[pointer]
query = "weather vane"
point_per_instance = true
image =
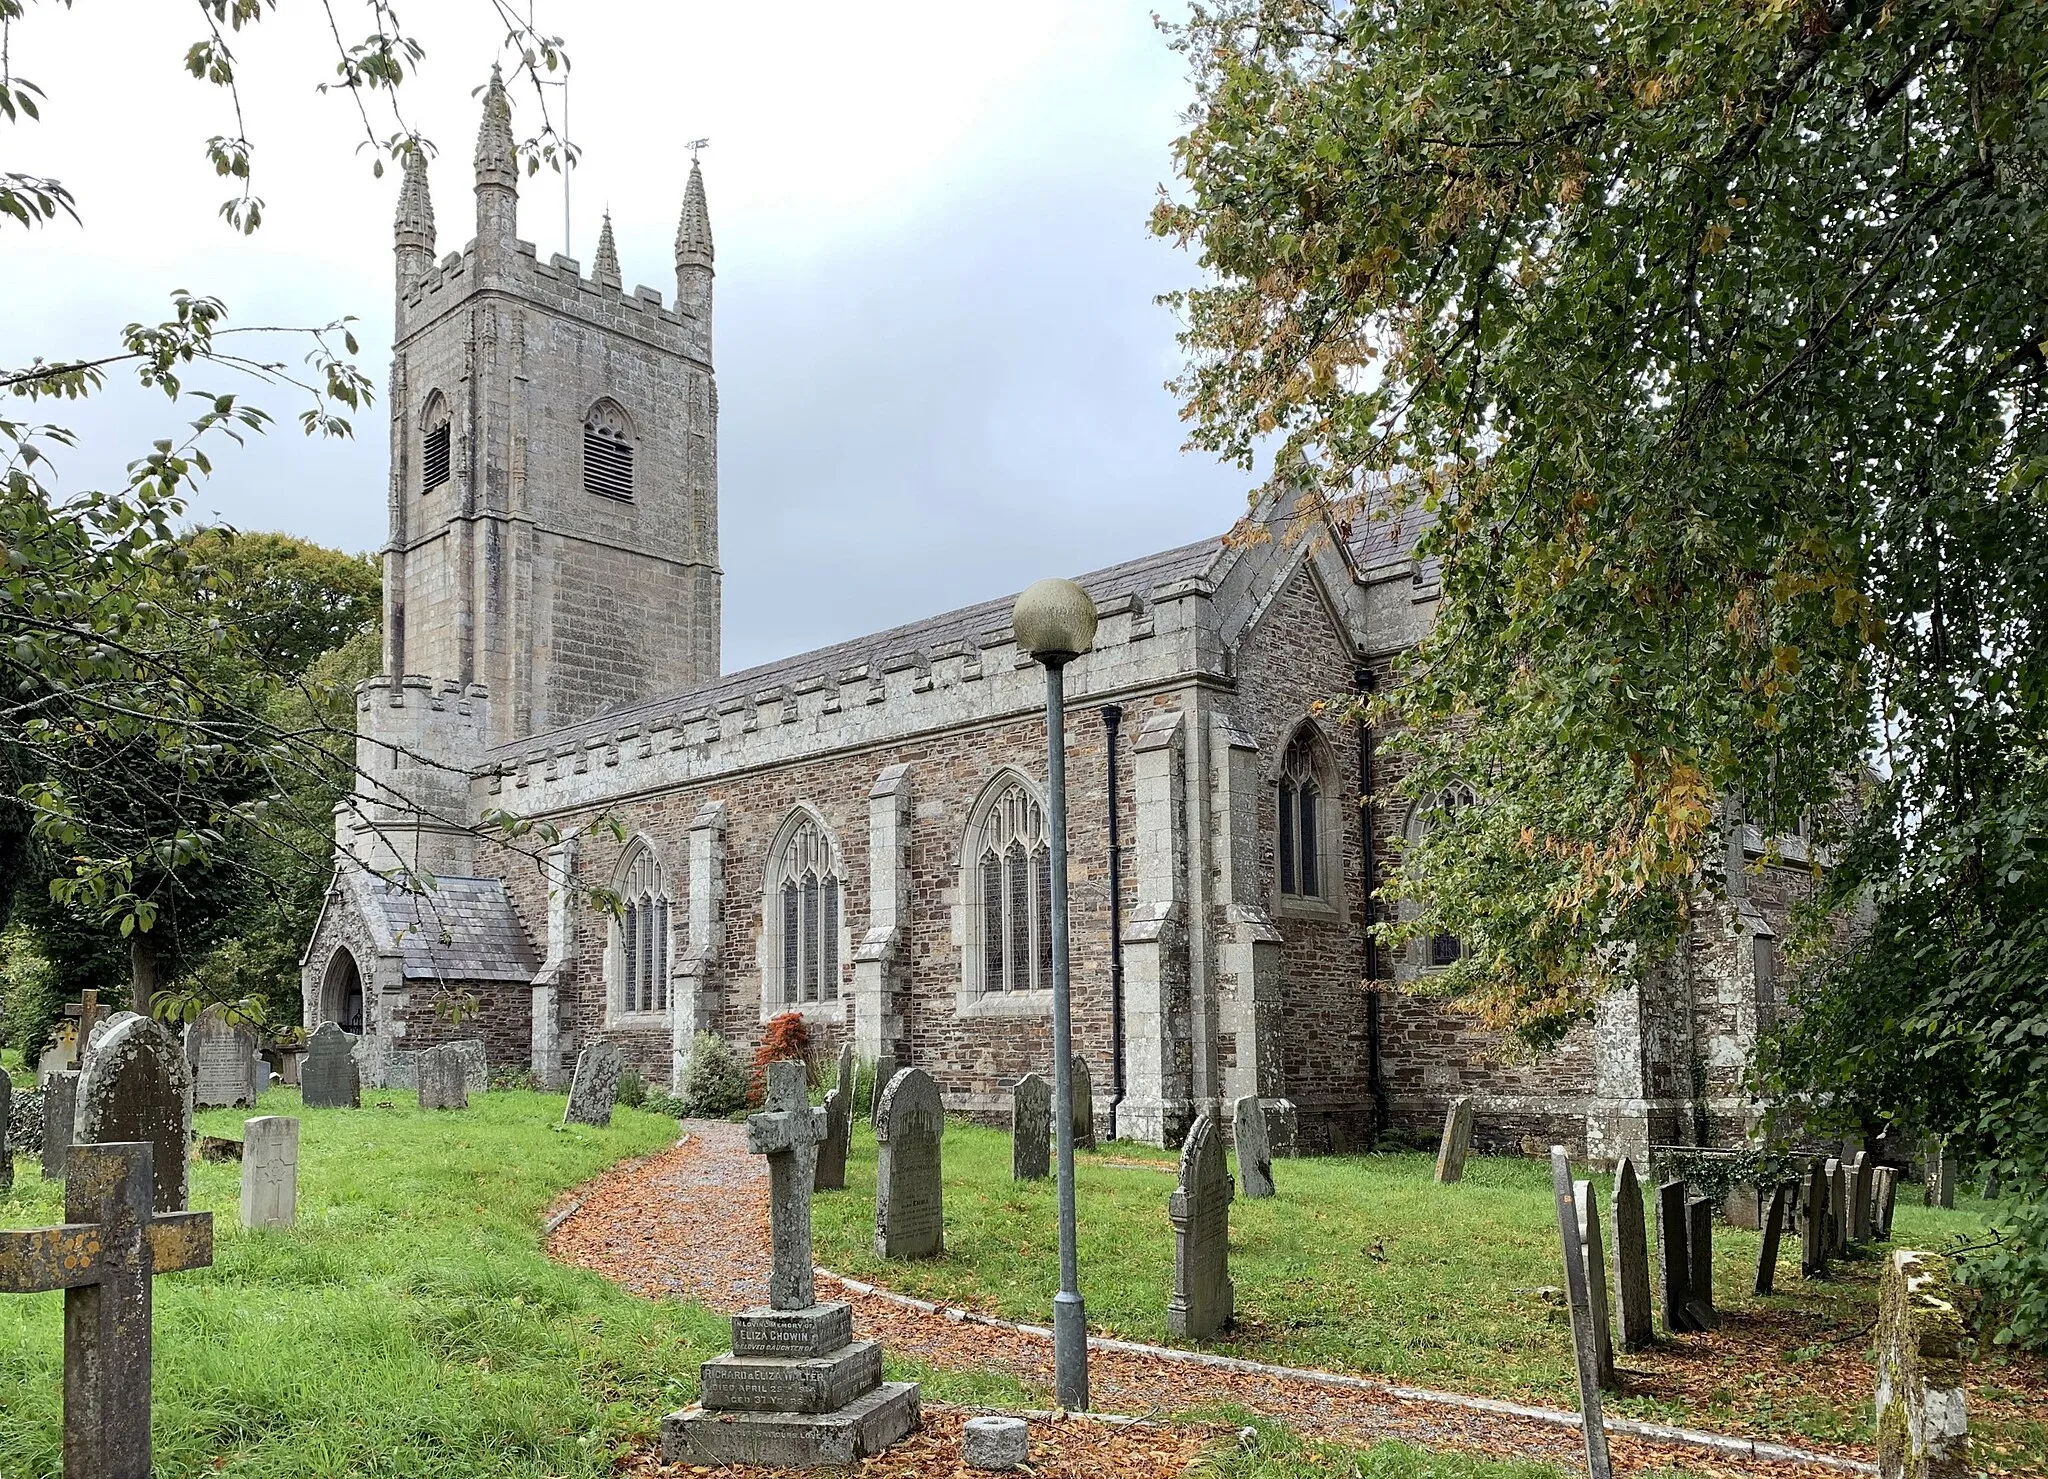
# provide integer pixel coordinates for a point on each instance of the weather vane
(694, 145)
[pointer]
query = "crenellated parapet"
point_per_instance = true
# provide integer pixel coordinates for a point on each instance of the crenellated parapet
(418, 741)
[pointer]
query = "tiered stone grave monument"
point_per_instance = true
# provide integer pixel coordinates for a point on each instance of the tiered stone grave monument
(219, 1052)
(910, 1205)
(135, 1086)
(1031, 1129)
(1254, 1151)
(270, 1171)
(111, 1245)
(838, 1126)
(329, 1078)
(1923, 1426)
(1631, 1260)
(1456, 1143)
(595, 1088)
(1203, 1301)
(796, 1390)
(442, 1077)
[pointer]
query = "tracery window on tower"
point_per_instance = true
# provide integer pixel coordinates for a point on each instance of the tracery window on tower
(434, 434)
(1008, 883)
(805, 904)
(637, 962)
(608, 452)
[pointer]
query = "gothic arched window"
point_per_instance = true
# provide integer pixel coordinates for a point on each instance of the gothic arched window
(1009, 885)
(608, 452)
(1302, 795)
(806, 897)
(434, 425)
(1447, 949)
(637, 962)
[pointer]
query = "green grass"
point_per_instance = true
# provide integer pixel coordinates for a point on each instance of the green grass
(409, 1326)
(1269, 1450)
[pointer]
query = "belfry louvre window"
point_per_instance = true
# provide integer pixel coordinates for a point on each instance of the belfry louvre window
(1301, 833)
(434, 446)
(607, 453)
(639, 954)
(1013, 873)
(806, 891)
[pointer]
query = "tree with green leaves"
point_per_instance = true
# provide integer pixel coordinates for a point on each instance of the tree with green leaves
(1708, 342)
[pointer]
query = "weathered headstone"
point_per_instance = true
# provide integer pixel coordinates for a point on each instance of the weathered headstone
(102, 1026)
(443, 1079)
(476, 1066)
(1631, 1259)
(1884, 1197)
(1593, 1252)
(1031, 1129)
(1699, 1263)
(62, 1053)
(6, 1142)
(1283, 1128)
(595, 1088)
(885, 1074)
(259, 1075)
(1840, 1218)
(1814, 1223)
(1940, 1190)
(910, 1206)
(1990, 1191)
(270, 1171)
(135, 1086)
(796, 1390)
(1860, 1171)
(1774, 1233)
(60, 1114)
(1084, 1103)
(1254, 1154)
(1578, 1299)
(1203, 1300)
(831, 1174)
(1923, 1427)
(1456, 1143)
(219, 1052)
(1674, 1275)
(330, 1078)
(103, 1258)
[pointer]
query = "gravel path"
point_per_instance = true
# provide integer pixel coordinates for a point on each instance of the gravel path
(692, 1223)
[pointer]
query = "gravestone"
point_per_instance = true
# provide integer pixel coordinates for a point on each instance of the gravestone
(1254, 1154)
(1083, 1085)
(1579, 1301)
(796, 1390)
(838, 1127)
(1923, 1427)
(1860, 1171)
(1813, 1223)
(270, 1171)
(1884, 1196)
(1699, 1263)
(595, 1088)
(61, 1055)
(6, 1140)
(1593, 1253)
(60, 1114)
(259, 1075)
(330, 1078)
(1031, 1129)
(136, 1086)
(1940, 1190)
(1990, 1191)
(1743, 1206)
(885, 1074)
(1456, 1143)
(1203, 1301)
(219, 1052)
(1774, 1232)
(110, 1247)
(101, 1027)
(1631, 1259)
(1674, 1276)
(910, 1208)
(443, 1079)
(1839, 1215)
(476, 1066)
(1283, 1128)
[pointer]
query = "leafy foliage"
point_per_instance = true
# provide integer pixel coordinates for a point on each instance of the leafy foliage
(714, 1079)
(786, 1036)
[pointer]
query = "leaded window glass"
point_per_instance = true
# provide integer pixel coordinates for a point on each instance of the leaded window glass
(1012, 870)
(1300, 831)
(640, 944)
(1448, 949)
(805, 871)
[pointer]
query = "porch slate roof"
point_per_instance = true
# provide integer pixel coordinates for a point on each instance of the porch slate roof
(463, 929)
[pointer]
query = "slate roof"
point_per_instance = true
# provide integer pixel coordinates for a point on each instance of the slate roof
(461, 930)
(934, 636)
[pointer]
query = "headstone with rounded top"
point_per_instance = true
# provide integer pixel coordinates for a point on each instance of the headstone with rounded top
(476, 1065)
(595, 1088)
(219, 1052)
(136, 1086)
(1084, 1103)
(1031, 1129)
(1861, 1171)
(1699, 1262)
(1456, 1143)
(910, 1205)
(1631, 1260)
(330, 1078)
(1203, 1302)
(1254, 1153)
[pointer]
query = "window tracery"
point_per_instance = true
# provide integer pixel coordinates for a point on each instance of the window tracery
(807, 893)
(608, 452)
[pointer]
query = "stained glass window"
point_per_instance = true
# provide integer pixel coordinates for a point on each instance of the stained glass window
(1013, 876)
(806, 867)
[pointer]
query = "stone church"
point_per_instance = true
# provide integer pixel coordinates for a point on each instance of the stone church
(620, 841)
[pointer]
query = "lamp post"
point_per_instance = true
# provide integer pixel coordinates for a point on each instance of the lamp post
(1054, 621)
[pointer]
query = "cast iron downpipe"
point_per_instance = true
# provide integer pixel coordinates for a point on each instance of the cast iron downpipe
(1369, 866)
(1112, 720)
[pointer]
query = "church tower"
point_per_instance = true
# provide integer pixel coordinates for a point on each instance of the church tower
(554, 466)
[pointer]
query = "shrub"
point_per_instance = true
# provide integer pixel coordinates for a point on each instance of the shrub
(786, 1037)
(513, 1076)
(657, 1102)
(632, 1088)
(714, 1080)
(25, 1133)
(31, 999)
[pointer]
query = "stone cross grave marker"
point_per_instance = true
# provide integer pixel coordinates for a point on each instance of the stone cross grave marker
(1840, 1218)
(1578, 1298)
(1457, 1142)
(1631, 1259)
(1593, 1253)
(595, 1088)
(788, 1132)
(60, 1113)
(838, 1126)
(1699, 1263)
(1774, 1232)
(1203, 1300)
(1860, 1171)
(1674, 1275)
(442, 1079)
(1923, 1425)
(910, 1208)
(104, 1257)
(270, 1171)
(1031, 1129)
(6, 1119)
(1813, 1223)
(219, 1052)
(1084, 1103)
(135, 1086)
(1884, 1194)
(1254, 1152)
(329, 1078)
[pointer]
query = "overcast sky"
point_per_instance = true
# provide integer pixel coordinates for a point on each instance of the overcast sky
(940, 364)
